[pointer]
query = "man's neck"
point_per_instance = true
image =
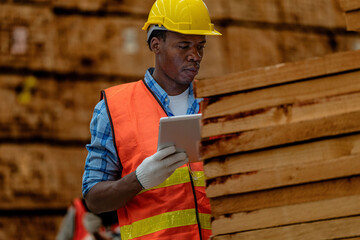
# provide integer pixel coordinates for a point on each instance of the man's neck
(170, 86)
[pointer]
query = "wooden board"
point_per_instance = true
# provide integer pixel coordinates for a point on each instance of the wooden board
(297, 44)
(301, 172)
(214, 63)
(218, 9)
(141, 7)
(281, 105)
(251, 47)
(281, 73)
(40, 176)
(25, 2)
(285, 215)
(342, 228)
(307, 192)
(349, 5)
(34, 108)
(35, 38)
(279, 115)
(248, 47)
(323, 13)
(29, 227)
(279, 135)
(264, 11)
(117, 46)
(319, 13)
(309, 91)
(353, 20)
(283, 157)
(26, 37)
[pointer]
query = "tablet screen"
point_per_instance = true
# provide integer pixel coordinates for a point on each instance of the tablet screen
(184, 132)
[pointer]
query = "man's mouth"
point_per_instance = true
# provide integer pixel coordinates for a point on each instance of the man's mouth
(195, 70)
(192, 71)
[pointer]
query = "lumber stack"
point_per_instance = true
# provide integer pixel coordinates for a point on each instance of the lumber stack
(281, 150)
(56, 56)
(351, 9)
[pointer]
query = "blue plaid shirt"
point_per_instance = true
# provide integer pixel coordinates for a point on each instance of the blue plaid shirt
(101, 162)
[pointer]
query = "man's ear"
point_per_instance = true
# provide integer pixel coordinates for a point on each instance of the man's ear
(155, 44)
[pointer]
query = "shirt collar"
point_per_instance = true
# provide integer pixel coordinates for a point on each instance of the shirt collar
(193, 103)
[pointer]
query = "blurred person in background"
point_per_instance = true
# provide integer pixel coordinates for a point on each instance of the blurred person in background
(80, 224)
(157, 194)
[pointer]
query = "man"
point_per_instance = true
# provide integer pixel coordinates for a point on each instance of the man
(157, 194)
(80, 224)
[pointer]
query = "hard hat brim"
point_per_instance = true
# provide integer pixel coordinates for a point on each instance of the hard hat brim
(188, 32)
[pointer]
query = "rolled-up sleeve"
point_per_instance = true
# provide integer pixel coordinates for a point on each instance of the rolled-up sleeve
(101, 163)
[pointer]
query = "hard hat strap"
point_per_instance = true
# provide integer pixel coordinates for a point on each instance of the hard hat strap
(153, 28)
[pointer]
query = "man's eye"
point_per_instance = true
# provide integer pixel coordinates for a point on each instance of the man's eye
(201, 47)
(183, 46)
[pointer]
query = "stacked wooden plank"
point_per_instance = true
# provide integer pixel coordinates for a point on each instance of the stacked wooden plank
(352, 14)
(62, 40)
(267, 32)
(44, 129)
(56, 55)
(281, 148)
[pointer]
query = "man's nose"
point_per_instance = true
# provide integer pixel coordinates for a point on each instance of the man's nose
(195, 55)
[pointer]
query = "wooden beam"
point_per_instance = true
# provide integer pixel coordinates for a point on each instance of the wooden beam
(285, 215)
(278, 135)
(280, 73)
(343, 228)
(34, 108)
(35, 49)
(38, 176)
(280, 115)
(299, 92)
(125, 6)
(353, 20)
(320, 13)
(307, 192)
(349, 5)
(283, 157)
(284, 176)
(119, 54)
(293, 103)
(32, 226)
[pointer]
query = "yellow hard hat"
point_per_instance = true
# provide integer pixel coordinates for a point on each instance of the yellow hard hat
(182, 16)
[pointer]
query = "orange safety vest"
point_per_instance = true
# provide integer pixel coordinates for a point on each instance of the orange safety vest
(176, 209)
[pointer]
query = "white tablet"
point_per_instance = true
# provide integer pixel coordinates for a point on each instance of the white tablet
(184, 131)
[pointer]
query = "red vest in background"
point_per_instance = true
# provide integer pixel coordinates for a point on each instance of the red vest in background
(172, 210)
(80, 232)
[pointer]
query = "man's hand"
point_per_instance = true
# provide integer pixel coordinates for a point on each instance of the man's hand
(158, 167)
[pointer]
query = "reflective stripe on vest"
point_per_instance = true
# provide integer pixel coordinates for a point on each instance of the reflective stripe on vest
(181, 175)
(163, 221)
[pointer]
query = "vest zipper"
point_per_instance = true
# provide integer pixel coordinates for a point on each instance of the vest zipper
(196, 204)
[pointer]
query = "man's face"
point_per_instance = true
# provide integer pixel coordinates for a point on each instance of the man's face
(179, 58)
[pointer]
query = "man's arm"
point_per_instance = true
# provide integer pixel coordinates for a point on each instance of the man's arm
(155, 169)
(103, 191)
(107, 196)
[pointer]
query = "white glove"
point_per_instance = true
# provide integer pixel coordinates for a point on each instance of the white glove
(92, 222)
(158, 167)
